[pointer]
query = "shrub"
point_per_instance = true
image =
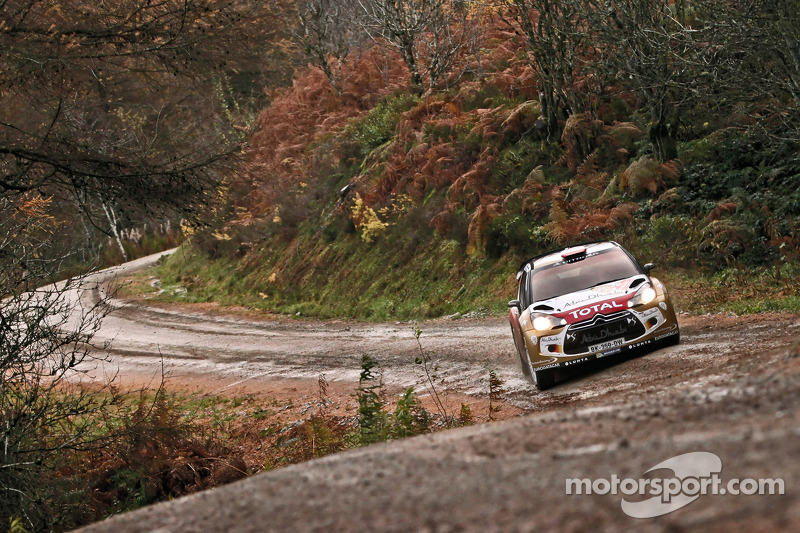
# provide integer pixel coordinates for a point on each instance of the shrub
(379, 124)
(366, 220)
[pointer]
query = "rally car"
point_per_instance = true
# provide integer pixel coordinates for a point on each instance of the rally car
(584, 303)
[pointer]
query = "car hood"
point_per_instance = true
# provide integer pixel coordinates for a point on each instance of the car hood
(563, 305)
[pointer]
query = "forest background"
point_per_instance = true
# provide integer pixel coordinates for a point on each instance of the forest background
(382, 160)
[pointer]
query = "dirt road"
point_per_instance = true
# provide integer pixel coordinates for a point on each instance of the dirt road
(731, 388)
(249, 354)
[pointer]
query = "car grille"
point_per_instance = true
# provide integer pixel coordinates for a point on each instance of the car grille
(602, 328)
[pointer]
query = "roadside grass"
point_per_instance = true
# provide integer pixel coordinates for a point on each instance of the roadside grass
(735, 290)
(788, 304)
(159, 444)
(419, 284)
(336, 280)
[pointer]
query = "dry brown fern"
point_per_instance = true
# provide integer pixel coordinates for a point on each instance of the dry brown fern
(646, 175)
(580, 138)
(726, 207)
(476, 242)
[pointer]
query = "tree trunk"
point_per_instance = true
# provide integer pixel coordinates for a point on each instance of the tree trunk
(411, 62)
(550, 112)
(662, 138)
(112, 221)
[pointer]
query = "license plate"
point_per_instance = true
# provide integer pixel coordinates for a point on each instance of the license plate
(606, 345)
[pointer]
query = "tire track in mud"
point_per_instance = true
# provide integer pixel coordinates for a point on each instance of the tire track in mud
(192, 344)
(732, 387)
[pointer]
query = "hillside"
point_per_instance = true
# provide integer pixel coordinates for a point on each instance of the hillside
(380, 198)
(388, 160)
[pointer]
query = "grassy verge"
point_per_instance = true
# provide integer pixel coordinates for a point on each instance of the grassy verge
(342, 280)
(156, 445)
(740, 291)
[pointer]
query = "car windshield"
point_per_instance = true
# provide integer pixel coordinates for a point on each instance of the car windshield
(563, 278)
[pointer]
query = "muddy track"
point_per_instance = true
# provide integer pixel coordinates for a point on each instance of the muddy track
(195, 344)
(732, 387)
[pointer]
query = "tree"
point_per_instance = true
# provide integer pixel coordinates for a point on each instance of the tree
(110, 107)
(454, 31)
(428, 34)
(558, 40)
(121, 99)
(657, 57)
(44, 341)
(329, 31)
(756, 60)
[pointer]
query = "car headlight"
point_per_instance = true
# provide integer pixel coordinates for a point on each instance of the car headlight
(643, 296)
(544, 322)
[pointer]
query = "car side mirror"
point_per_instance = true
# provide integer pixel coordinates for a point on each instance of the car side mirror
(514, 303)
(648, 267)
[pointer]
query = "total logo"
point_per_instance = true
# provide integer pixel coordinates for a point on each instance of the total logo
(594, 309)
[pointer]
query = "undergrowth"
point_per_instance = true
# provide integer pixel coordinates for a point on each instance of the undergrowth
(443, 200)
(428, 279)
(432, 284)
(159, 445)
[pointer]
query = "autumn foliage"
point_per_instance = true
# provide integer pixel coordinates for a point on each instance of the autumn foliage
(477, 150)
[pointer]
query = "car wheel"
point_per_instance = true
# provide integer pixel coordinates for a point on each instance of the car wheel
(525, 363)
(544, 379)
(519, 343)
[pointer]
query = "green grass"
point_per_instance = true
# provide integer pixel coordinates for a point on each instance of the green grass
(386, 280)
(418, 278)
(740, 291)
(789, 304)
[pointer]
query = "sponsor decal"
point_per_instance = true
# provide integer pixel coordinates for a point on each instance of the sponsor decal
(662, 305)
(665, 335)
(579, 257)
(650, 312)
(545, 367)
(639, 344)
(588, 297)
(616, 286)
(603, 334)
(585, 312)
(576, 361)
(553, 338)
(610, 352)
(572, 303)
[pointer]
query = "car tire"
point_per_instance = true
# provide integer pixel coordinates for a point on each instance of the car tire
(519, 344)
(525, 363)
(544, 379)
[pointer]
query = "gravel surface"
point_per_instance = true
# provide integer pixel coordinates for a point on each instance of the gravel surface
(730, 388)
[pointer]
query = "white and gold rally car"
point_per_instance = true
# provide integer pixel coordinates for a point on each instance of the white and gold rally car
(584, 303)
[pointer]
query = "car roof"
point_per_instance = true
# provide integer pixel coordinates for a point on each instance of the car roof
(555, 255)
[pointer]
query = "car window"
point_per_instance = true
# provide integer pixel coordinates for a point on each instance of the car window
(562, 278)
